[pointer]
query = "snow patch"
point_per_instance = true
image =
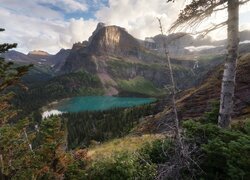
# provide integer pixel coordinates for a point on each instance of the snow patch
(199, 48)
(245, 42)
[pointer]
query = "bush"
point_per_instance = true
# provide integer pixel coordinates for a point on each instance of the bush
(226, 153)
(156, 150)
(122, 166)
(75, 171)
(212, 115)
(221, 153)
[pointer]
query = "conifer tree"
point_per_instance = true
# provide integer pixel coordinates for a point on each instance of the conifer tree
(9, 75)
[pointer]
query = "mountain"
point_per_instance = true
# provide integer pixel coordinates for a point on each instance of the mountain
(38, 57)
(123, 65)
(45, 65)
(113, 40)
(59, 59)
(120, 61)
(183, 44)
(17, 57)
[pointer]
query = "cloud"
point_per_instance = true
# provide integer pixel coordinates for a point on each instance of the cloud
(30, 8)
(67, 5)
(45, 24)
(81, 29)
(139, 17)
(46, 29)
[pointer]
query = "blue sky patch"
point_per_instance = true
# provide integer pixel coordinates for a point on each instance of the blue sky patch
(92, 5)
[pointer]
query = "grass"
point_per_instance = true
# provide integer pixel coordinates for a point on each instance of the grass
(141, 86)
(128, 143)
(116, 63)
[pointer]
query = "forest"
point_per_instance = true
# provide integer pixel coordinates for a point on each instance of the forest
(100, 126)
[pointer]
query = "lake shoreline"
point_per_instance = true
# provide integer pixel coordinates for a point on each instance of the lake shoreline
(92, 103)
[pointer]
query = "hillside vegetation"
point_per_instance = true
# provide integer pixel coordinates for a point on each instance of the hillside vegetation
(194, 102)
(142, 86)
(75, 84)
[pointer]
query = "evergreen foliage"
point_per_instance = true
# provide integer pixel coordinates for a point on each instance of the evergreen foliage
(226, 153)
(220, 153)
(9, 75)
(102, 125)
(64, 86)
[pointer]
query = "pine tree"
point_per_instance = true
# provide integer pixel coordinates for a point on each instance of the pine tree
(10, 75)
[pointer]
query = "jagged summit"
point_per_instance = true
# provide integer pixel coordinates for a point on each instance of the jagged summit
(113, 40)
(109, 40)
(98, 27)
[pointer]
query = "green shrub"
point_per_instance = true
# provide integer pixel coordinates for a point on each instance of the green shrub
(212, 115)
(227, 160)
(122, 166)
(243, 126)
(75, 171)
(226, 153)
(156, 150)
(221, 153)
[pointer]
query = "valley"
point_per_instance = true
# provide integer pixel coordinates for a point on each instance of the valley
(105, 66)
(114, 70)
(106, 103)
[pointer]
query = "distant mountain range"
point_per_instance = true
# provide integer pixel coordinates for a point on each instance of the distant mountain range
(180, 44)
(40, 58)
(125, 64)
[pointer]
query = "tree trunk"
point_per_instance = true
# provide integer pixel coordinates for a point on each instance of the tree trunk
(228, 81)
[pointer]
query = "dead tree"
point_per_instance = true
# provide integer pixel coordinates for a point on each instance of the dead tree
(181, 156)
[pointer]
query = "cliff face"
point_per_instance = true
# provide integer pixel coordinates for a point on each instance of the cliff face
(114, 40)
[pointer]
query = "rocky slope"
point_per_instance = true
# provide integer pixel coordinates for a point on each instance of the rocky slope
(193, 103)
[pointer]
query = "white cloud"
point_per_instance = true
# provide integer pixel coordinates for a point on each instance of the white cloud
(139, 17)
(35, 26)
(81, 29)
(68, 5)
(45, 29)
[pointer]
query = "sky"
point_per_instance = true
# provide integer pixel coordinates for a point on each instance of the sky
(50, 25)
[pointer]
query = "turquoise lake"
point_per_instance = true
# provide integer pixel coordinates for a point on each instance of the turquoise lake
(97, 103)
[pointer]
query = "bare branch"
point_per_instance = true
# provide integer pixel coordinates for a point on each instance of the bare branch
(196, 12)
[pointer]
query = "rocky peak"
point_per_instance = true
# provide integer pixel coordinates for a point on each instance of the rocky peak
(98, 27)
(113, 39)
